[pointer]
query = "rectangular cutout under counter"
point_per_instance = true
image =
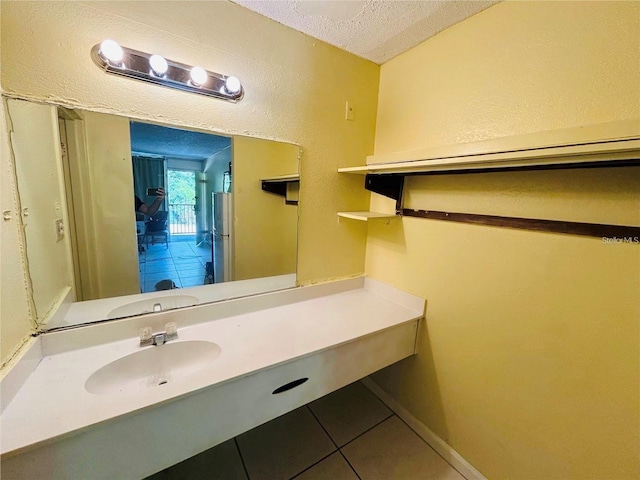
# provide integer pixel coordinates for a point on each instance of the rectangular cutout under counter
(329, 334)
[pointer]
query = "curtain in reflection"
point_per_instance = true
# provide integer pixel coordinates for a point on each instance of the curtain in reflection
(148, 172)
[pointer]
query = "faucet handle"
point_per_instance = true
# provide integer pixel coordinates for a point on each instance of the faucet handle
(171, 329)
(145, 334)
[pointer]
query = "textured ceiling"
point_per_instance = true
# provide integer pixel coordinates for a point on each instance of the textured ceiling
(377, 30)
(174, 143)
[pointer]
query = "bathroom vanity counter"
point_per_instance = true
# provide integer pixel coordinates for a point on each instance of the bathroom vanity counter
(332, 334)
(117, 307)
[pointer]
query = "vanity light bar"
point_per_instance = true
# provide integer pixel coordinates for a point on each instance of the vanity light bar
(113, 58)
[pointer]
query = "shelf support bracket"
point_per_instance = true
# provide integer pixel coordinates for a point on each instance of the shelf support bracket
(279, 188)
(388, 185)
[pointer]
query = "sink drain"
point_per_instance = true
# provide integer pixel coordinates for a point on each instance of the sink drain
(159, 379)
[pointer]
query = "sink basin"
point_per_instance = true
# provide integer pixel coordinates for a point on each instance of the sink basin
(167, 302)
(153, 367)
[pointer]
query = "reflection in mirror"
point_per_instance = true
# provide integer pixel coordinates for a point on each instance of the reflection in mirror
(156, 217)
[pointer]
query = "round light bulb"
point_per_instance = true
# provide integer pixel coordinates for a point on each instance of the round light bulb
(111, 51)
(198, 76)
(159, 65)
(232, 85)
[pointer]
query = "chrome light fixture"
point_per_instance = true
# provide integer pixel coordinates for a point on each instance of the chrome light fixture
(159, 65)
(113, 58)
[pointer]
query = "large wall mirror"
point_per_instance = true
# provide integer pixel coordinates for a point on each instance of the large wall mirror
(131, 217)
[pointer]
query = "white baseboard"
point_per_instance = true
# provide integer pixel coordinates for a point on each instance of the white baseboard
(443, 448)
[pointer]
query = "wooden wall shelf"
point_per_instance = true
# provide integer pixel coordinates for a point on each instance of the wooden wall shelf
(387, 178)
(603, 142)
(285, 185)
(365, 216)
(569, 156)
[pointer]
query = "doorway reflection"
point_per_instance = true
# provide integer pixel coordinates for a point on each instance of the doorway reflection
(174, 244)
(181, 190)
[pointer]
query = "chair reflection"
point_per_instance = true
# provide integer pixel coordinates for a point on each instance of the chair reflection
(157, 227)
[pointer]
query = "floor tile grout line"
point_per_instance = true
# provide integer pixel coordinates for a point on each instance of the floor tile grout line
(314, 464)
(334, 442)
(349, 463)
(368, 430)
(336, 448)
(246, 472)
(322, 426)
(428, 445)
(339, 449)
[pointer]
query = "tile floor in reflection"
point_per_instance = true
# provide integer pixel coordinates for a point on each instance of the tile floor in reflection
(181, 262)
(347, 435)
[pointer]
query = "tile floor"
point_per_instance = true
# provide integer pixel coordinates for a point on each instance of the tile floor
(182, 262)
(347, 435)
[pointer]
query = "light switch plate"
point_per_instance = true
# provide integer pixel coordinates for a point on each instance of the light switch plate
(348, 112)
(59, 229)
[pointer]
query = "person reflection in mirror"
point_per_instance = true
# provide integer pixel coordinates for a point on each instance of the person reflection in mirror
(153, 208)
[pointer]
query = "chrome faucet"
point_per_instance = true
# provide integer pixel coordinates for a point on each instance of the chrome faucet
(148, 338)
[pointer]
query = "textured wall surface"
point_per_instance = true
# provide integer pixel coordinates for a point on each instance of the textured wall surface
(41, 187)
(296, 89)
(529, 358)
(16, 312)
(546, 66)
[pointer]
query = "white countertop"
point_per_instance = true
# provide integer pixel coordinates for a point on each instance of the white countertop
(53, 401)
(79, 313)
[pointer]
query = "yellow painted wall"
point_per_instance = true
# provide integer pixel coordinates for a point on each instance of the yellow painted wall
(35, 146)
(16, 315)
(110, 192)
(529, 358)
(264, 227)
(516, 68)
(296, 89)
